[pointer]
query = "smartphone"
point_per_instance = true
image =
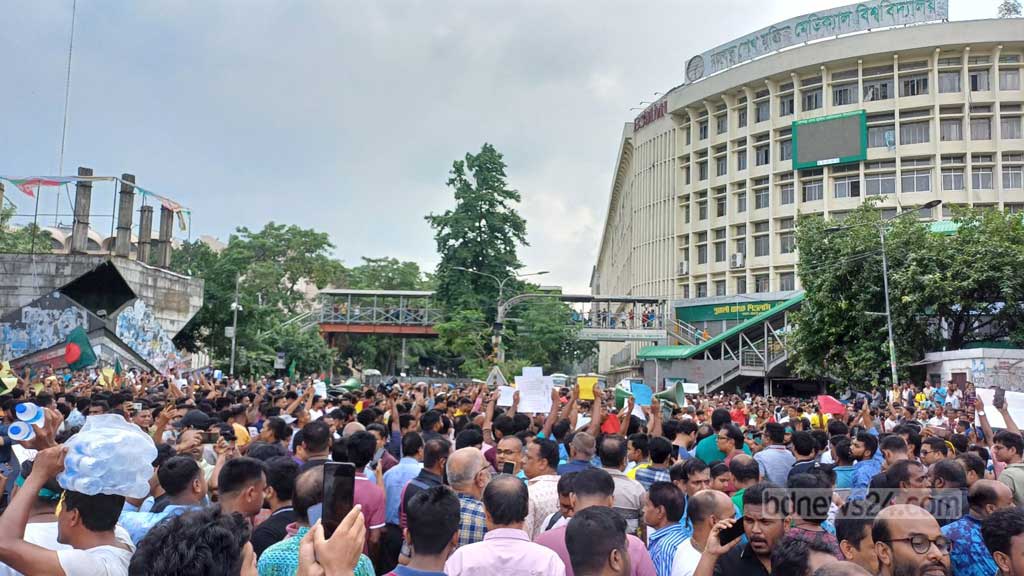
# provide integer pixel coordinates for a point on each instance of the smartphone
(508, 468)
(137, 406)
(732, 533)
(210, 437)
(999, 398)
(339, 486)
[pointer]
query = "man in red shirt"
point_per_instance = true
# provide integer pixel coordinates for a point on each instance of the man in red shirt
(739, 414)
(361, 447)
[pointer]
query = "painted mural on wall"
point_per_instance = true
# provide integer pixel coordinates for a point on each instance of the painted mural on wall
(141, 331)
(44, 323)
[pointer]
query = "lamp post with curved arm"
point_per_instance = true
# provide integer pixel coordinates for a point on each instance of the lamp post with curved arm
(501, 304)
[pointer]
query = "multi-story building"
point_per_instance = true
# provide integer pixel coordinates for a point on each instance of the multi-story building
(704, 198)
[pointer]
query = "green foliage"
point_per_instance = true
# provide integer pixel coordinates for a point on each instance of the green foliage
(544, 336)
(464, 334)
(946, 291)
(482, 233)
(21, 240)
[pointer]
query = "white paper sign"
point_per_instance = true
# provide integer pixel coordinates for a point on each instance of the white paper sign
(534, 394)
(320, 388)
(533, 372)
(506, 394)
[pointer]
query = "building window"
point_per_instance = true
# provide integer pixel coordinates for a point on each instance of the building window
(702, 289)
(702, 127)
(721, 165)
(881, 136)
(786, 105)
(741, 246)
(847, 187)
(952, 179)
(787, 281)
(979, 80)
(741, 117)
(720, 251)
(702, 254)
(722, 123)
(761, 283)
(702, 210)
(951, 129)
(761, 155)
(812, 191)
(786, 194)
(741, 201)
(1013, 176)
(720, 205)
(811, 99)
(878, 184)
(719, 287)
(762, 110)
(785, 150)
(1009, 79)
(761, 245)
(844, 94)
(914, 132)
(1009, 127)
(875, 90)
(702, 170)
(914, 85)
(981, 178)
(981, 128)
(916, 180)
(741, 160)
(741, 285)
(787, 243)
(686, 291)
(949, 82)
(761, 198)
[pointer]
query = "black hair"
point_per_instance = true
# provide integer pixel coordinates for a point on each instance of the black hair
(593, 482)
(507, 500)
(265, 451)
(763, 493)
(670, 497)
(718, 468)
(429, 419)
(432, 519)
(810, 497)
(683, 470)
(367, 416)
(745, 469)
(592, 534)
(560, 429)
(776, 432)
(177, 474)
(899, 472)
(1010, 440)
(972, 463)
(820, 439)
(279, 428)
(852, 519)
(612, 451)
(1001, 527)
(316, 436)
(937, 445)
(547, 450)
(790, 556)
(281, 473)
(720, 417)
(99, 513)
(468, 438)
(412, 443)
(734, 433)
(201, 541)
(837, 427)
(960, 443)
(803, 443)
(361, 448)
(870, 442)
(844, 451)
(239, 473)
(434, 450)
(82, 404)
(164, 452)
(687, 427)
(951, 472)
(660, 449)
(640, 442)
(566, 484)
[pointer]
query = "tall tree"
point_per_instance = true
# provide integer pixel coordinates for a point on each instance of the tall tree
(482, 233)
(21, 240)
(1009, 9)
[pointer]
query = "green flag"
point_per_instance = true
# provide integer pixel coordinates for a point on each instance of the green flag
(117, 367)
(291, 369)
(78, 351)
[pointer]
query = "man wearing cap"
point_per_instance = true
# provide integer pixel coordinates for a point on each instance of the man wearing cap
(190, 441)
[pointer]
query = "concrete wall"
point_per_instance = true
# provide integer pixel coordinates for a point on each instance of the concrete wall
(693, 370)
(174, 298)
(985, 367)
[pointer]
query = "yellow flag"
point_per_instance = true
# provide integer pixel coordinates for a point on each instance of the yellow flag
(37, 387)
(107, 374)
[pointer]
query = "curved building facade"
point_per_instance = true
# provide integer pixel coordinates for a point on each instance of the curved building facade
(705, 196)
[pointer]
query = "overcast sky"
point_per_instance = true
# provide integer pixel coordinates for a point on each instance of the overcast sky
(345, 116)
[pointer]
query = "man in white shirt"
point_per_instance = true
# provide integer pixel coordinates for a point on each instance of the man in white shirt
(86, 523)
(704, 510)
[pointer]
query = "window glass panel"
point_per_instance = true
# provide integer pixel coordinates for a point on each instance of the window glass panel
(877, 184)
(949, 82)
(916, 180)
(951, 129)
(914, 132)
(981, 178)
(981, 128)
(979, 80)
(1009, 79)
(812, 191)
(1009, 127)
(953, 179)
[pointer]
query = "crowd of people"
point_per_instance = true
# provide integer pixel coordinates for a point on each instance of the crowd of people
(909, 481)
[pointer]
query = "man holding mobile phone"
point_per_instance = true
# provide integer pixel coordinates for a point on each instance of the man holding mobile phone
(765, 519)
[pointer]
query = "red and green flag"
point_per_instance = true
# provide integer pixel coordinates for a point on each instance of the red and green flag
(29, 185)
(78, 353)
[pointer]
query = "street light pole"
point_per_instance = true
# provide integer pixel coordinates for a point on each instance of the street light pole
(234, 324)
(499, 315)
(888, 313)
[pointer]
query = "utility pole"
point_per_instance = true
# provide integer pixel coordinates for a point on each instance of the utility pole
(234, 324)
(888, 314)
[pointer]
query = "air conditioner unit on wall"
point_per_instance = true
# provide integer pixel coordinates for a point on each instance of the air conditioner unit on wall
(737, 260)
(684, 268)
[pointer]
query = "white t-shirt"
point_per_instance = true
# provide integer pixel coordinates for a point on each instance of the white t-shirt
(44, 534)
(98, 561)
(686, 559)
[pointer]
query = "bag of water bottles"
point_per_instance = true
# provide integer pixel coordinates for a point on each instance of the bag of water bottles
(108, 456)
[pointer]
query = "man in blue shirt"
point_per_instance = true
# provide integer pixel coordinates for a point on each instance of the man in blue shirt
(968, 554)
(185, 484)
(869, 463)
(663, 510)
(395, 480)
(581, 451)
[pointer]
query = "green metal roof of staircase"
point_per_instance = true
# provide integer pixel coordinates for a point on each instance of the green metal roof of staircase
(684, 352)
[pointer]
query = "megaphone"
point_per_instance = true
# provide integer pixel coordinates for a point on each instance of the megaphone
(673, 395)
(352, 384)
(622, 391)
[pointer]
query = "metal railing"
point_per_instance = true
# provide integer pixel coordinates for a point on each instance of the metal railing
(382, 315)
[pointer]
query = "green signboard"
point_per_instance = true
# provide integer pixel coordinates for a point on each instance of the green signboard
(828, 140)
(724, 311)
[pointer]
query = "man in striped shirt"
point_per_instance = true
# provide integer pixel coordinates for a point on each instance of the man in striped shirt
(662, 512)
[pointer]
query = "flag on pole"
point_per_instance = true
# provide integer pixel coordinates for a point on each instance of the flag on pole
(29, 185)
(78, 351)
(291, 369)
(830, 405)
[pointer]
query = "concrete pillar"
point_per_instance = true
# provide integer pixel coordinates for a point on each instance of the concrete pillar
(163, 253)
(125, 208)
(83, 203)
(145, 233)
(1, 194)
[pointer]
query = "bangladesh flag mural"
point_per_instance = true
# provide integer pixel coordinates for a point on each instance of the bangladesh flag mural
(78, 351)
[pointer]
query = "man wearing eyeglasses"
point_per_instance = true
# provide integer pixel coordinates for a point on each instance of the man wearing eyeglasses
(468, 474)
(908, 541)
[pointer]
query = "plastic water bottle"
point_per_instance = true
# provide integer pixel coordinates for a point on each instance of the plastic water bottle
(21, 431)
(109, 456)
(30, 413)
